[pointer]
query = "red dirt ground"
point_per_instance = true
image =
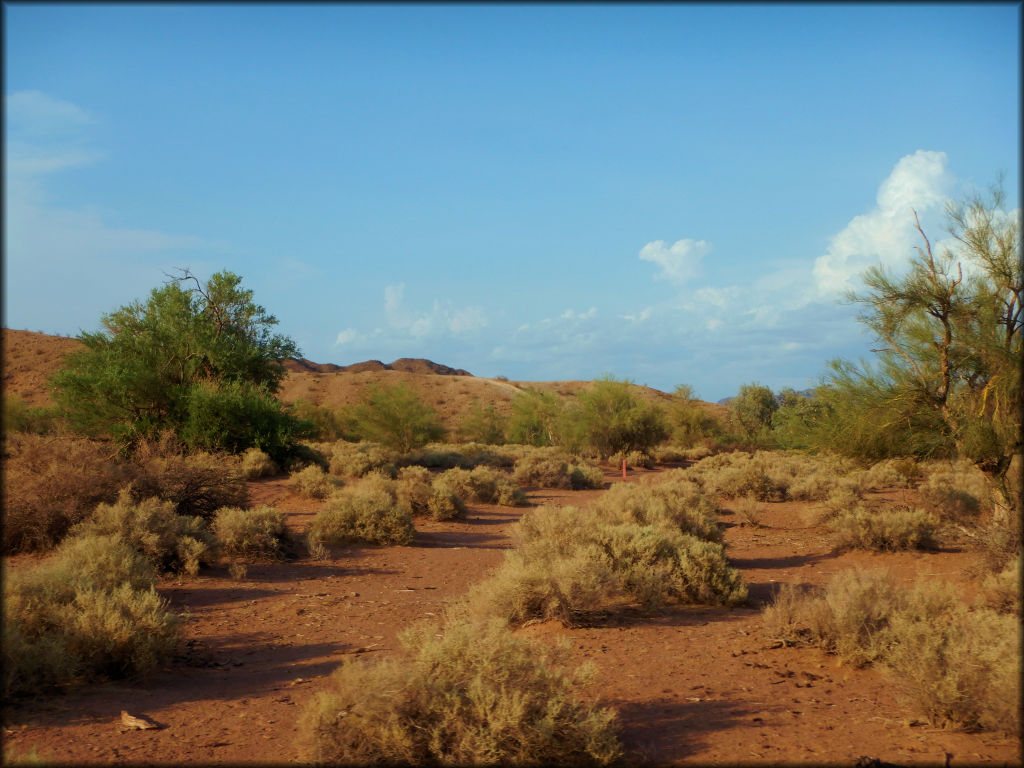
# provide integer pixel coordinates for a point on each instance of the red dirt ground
(692, 685)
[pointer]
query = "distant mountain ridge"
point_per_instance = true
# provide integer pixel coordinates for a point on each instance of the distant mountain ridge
(406, 364)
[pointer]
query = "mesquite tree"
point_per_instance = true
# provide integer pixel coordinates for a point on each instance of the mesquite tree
(951, 330)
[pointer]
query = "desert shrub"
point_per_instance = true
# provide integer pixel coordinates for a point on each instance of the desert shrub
(748, 510)
(890, 473)
(358, 459)
(552, 468)
(634, 460)
(960, 666)
(52, 483)
(198, 483)
(436, 456)
(468, 695)
(746, 477)
(849, 617)
(568, 563)
(999, 542)
(669, 454)
(249, 533)
(885, 529)
(396, 417)
(1001, 591)
(171, 542)
(88, 610)
(420, 493)
(256, 464)
(843, 498)
(364, 512)
(312, 482)
(18, 416)
(955, 490)
(698, 452)
(482, 484)
(674, 503)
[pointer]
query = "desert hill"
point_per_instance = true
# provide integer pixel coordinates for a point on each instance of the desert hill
(29, 358)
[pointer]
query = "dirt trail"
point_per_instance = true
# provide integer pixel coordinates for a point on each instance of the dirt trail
(692, 684)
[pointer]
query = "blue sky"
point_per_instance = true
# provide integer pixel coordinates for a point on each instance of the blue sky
(666, 193)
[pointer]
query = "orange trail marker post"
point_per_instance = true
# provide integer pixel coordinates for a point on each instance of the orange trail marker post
(623, 469)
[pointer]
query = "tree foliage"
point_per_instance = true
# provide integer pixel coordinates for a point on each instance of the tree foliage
(189, 353)
(395, 416)
(614, 420)
(752, 410)
(535, 419)
(947, 376)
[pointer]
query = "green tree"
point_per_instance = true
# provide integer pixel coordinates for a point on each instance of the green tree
(614, 420)
(535, 418)
(483, 425)
(154, 362)
(395, 416)
(948, 368)
(752, 410)
(689, 421)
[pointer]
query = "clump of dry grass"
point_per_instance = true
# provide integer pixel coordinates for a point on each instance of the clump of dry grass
(885, 529)
(365, 512)
(569, 564)
(553, 468)
(313, 483)
(89, 610)
(960, 666)
(170, 541)
(250, 533)
(467, 694)
(257, 464)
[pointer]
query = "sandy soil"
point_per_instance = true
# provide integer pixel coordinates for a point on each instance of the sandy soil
(692, 685)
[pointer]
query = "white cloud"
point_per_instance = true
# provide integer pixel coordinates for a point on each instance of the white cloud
(438, 319)
(41, 115)
(638, 317)
(886, 234)
(680, 261)
(346, 337)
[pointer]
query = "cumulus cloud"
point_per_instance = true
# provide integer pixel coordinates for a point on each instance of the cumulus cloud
(440, 318)
(346, 337)
(679, 262)
(886, 234)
